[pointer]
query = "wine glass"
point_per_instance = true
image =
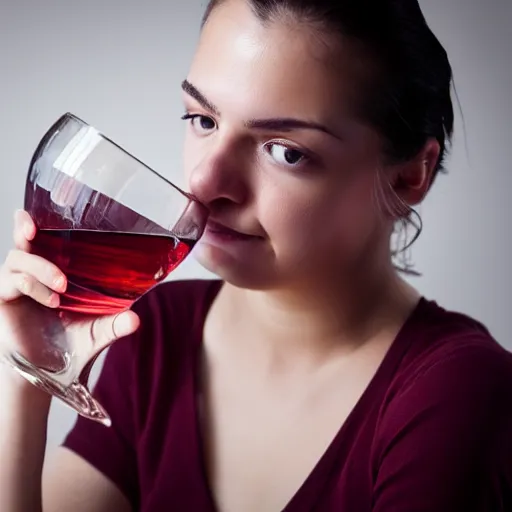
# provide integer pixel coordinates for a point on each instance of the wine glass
(116, 228)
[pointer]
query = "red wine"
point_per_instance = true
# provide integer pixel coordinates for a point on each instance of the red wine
(95, 239)
(108, 271)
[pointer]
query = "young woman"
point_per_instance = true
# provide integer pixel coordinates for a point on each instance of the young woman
(310, 376)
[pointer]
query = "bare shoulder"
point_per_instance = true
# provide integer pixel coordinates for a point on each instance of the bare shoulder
(71, 483)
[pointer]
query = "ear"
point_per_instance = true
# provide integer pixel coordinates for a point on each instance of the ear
(412, 179)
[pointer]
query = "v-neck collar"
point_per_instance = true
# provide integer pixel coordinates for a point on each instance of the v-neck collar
(313, 487)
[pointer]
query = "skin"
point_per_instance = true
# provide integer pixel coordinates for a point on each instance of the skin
(311, 302)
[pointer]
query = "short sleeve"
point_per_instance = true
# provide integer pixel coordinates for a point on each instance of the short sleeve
(111, 450)
(444, 443)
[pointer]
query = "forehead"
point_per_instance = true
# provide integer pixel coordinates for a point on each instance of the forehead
(281, 67)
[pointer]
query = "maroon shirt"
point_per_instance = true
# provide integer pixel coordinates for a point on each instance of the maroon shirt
(432, 432)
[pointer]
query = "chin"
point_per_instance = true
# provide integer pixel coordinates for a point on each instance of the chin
(252, 275)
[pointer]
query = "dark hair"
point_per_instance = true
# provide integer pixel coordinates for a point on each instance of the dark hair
(408, 99)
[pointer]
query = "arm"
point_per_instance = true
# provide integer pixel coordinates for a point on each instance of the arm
(24, 409)
(96, 469)
(445, 440)
(23, 420)
(69, 482)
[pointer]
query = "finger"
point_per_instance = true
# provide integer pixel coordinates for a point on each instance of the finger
(8, 287)
(24, 230)
(105, 330)
(42, 270)
(15, 285)
(24, 221)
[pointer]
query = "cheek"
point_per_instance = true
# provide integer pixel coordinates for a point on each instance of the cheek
(294, 216)
(357, 214)
(332, 218)
(358, 222)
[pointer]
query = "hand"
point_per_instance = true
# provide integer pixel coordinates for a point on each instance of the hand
(31, 323)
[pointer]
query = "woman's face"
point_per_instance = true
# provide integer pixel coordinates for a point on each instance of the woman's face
(275, 151)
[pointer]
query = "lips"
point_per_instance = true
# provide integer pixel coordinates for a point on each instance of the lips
(227, 233)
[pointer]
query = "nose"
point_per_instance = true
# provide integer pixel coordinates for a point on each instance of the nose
(218, 179)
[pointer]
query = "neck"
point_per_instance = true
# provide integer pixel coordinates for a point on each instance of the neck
(316, 318)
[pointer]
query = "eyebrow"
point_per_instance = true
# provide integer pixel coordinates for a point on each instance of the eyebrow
(282, 124)
(287, 124)
(195, 93)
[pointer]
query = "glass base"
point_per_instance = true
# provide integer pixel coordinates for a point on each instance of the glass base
(76, 395)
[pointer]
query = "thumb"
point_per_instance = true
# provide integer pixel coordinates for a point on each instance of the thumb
(107, 329)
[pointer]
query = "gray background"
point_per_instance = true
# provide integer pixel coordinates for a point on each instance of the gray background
(119, 65)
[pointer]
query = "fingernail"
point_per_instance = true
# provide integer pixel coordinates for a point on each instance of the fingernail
(123, 325)
(60, 283)
(53, 300)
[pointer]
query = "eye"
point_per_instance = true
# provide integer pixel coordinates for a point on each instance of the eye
(200, 123)
(284, 155)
